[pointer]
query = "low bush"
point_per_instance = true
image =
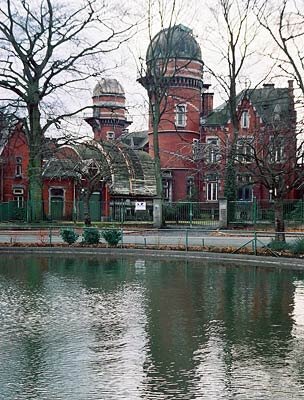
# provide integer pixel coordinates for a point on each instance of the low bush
(297, 247)
(68, 235)
(278, 245)
(91, 235)
(112, 236)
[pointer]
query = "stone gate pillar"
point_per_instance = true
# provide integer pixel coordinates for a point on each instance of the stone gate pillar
(157, 213)
(223, 215)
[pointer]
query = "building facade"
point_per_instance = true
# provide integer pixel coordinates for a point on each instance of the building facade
(194, 138)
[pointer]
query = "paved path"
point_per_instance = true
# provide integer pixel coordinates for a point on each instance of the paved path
(151, 237)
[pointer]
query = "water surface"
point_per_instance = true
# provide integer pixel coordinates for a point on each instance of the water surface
(77, 328)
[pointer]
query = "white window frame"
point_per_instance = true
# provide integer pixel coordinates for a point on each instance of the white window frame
(110, 135)
(277, 150)
(167, 189)
(212, 150)
(245, 119)
(212, 191)
(19, 197)
(190, 186)
(18, 170)
(245, 155)
(180, 115)
(20, 201)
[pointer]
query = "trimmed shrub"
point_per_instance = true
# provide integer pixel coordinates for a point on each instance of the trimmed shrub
(297, 247)
(278, 245)
(68, 235)
(112, 236)
(91, 235)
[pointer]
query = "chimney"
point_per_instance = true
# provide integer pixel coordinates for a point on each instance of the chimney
(290, 88)
(207, 103)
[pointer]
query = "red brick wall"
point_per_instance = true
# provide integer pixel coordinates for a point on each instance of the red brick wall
(16, 147)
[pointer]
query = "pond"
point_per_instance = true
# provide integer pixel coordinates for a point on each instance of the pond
(78, 328)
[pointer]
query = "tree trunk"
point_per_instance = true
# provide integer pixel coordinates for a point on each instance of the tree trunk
(157, 166)
(35, 189)
(230, 181)
(86, 208)
(35, 140)
(279, 220)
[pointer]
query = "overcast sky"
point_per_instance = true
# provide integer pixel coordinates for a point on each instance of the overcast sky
(197, 15)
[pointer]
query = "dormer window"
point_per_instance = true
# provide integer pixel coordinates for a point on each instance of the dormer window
(18, 171)
(245, 119)
(180, 115)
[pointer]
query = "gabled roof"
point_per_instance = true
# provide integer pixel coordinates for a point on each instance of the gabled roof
(268, 102)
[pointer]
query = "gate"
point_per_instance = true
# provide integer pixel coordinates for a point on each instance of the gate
(192, 214)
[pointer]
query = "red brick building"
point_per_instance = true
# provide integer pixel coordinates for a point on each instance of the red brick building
(128, 172)
(194, 138)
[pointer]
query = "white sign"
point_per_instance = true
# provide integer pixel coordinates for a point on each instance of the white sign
(140, 205)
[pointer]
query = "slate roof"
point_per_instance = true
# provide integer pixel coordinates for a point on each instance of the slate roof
(268, 102)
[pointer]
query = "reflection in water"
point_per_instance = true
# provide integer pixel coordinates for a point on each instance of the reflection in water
(113, 328)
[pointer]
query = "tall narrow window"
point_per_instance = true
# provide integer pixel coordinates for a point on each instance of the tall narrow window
(212, 150)
(245, 119)
(212, 188)
(181, 115)
(190, 186)
(277, 149)
(245, 150)
(19, 197)
(18, 171)
(167, 189)
(211, 191)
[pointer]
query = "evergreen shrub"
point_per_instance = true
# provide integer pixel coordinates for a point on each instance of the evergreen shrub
(112, 236)
(91, 235)
(278, 245)
(68, 235)
(297, 247)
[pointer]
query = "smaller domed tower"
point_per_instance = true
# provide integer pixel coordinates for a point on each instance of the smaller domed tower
(109, 119)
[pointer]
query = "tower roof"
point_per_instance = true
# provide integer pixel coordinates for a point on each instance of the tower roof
(174, 42)
(108, 86)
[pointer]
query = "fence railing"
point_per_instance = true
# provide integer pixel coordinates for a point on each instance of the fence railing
(191, 213)
(58, 210)
(263, 211)
(179, 213)
(180, 239)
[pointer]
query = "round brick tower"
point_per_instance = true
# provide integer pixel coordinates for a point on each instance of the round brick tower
(175, 55)
(109, 119)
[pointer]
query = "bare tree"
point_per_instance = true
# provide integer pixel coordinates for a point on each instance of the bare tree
(236, 36)
(154, 77)
(273, 155)
(284, 22)
(165, 65)
(47, 49)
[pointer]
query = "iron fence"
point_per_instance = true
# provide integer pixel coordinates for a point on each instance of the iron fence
(59, 210)
(191, 213)
(262, 211)
(167, 239)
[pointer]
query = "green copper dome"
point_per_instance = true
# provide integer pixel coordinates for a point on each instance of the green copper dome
(175, 42)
